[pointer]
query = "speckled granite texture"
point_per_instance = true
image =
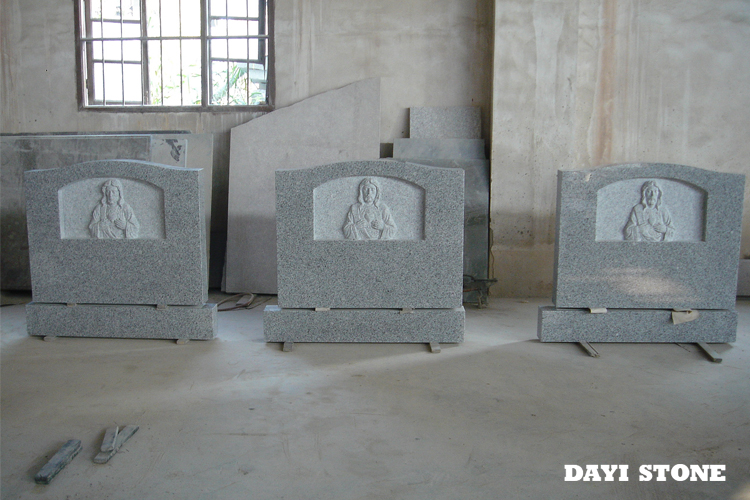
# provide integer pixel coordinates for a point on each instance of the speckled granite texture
(363, 325)
(79, 254)
(695, 267)
(414, 261)
(454, 122)
(122, 321)
(634, 325)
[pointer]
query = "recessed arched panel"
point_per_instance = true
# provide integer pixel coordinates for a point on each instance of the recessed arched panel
(364, 208)
(652, 210)
(111, 208)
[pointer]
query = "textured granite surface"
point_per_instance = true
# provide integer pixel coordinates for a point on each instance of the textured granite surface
(634, 325)
(363, 325)
(338, 125)
(440, 149)
(22, 152)
(160, 256)
(122, 321)
(454, 122)
(595, 266)
(417, 262)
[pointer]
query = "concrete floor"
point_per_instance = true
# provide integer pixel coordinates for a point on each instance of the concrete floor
(493, 418)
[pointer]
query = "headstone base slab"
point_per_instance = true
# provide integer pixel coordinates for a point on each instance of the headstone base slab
(122, 321)
(634, 325)
(364, 325)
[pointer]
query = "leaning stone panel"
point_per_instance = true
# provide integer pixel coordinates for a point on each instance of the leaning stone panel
(339, 125)
(647, 236)
(117, 232)
(398, 236)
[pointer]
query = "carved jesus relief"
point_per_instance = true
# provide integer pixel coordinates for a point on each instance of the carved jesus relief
(113, 218)
(650, 219)
(369, 218)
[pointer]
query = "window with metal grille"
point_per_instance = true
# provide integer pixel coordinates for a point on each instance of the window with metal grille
(162, 54)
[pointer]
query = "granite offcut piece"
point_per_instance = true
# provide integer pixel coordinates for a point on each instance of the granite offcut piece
(644, 235)
(339, 125)
(452, 122)
(58, 461)
(22, 152)
(122, 321)
(364, 325)
(117, 232)
(634, 325)
(370, 234)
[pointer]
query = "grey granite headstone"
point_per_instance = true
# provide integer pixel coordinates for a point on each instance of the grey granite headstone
(372, 249)
(339, 125)
(453, 122)
(117, 249)
(22, 152)
(645, 237)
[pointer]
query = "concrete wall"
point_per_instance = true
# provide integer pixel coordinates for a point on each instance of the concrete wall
(584, 83)
(576, 84)
(427, 52)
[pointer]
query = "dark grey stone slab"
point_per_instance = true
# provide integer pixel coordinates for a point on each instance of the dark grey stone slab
(122, 321)
(454, 122)
(22, 152)
(605, 260)
(476, 211)
(743, 278)
(634, 325)
(439, 149)
(58, 461)
(363, 325)
(339, 125)
(153, 251)
(330, 253)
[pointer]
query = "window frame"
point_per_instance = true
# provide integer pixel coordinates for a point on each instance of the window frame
(84, 67)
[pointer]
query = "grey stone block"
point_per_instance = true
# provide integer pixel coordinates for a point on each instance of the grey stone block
(604, 253)
(122, 321)
(339, 125)
(363, 325)
(22, 152)
(439, 149)
(455, 122)
(634, 325)
(329, 255)
(147, 247)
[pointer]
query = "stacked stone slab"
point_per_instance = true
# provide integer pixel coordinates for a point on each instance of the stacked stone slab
(118, 249)
(654, 247)
(22, 152)
(368, 251)
(450, 137)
